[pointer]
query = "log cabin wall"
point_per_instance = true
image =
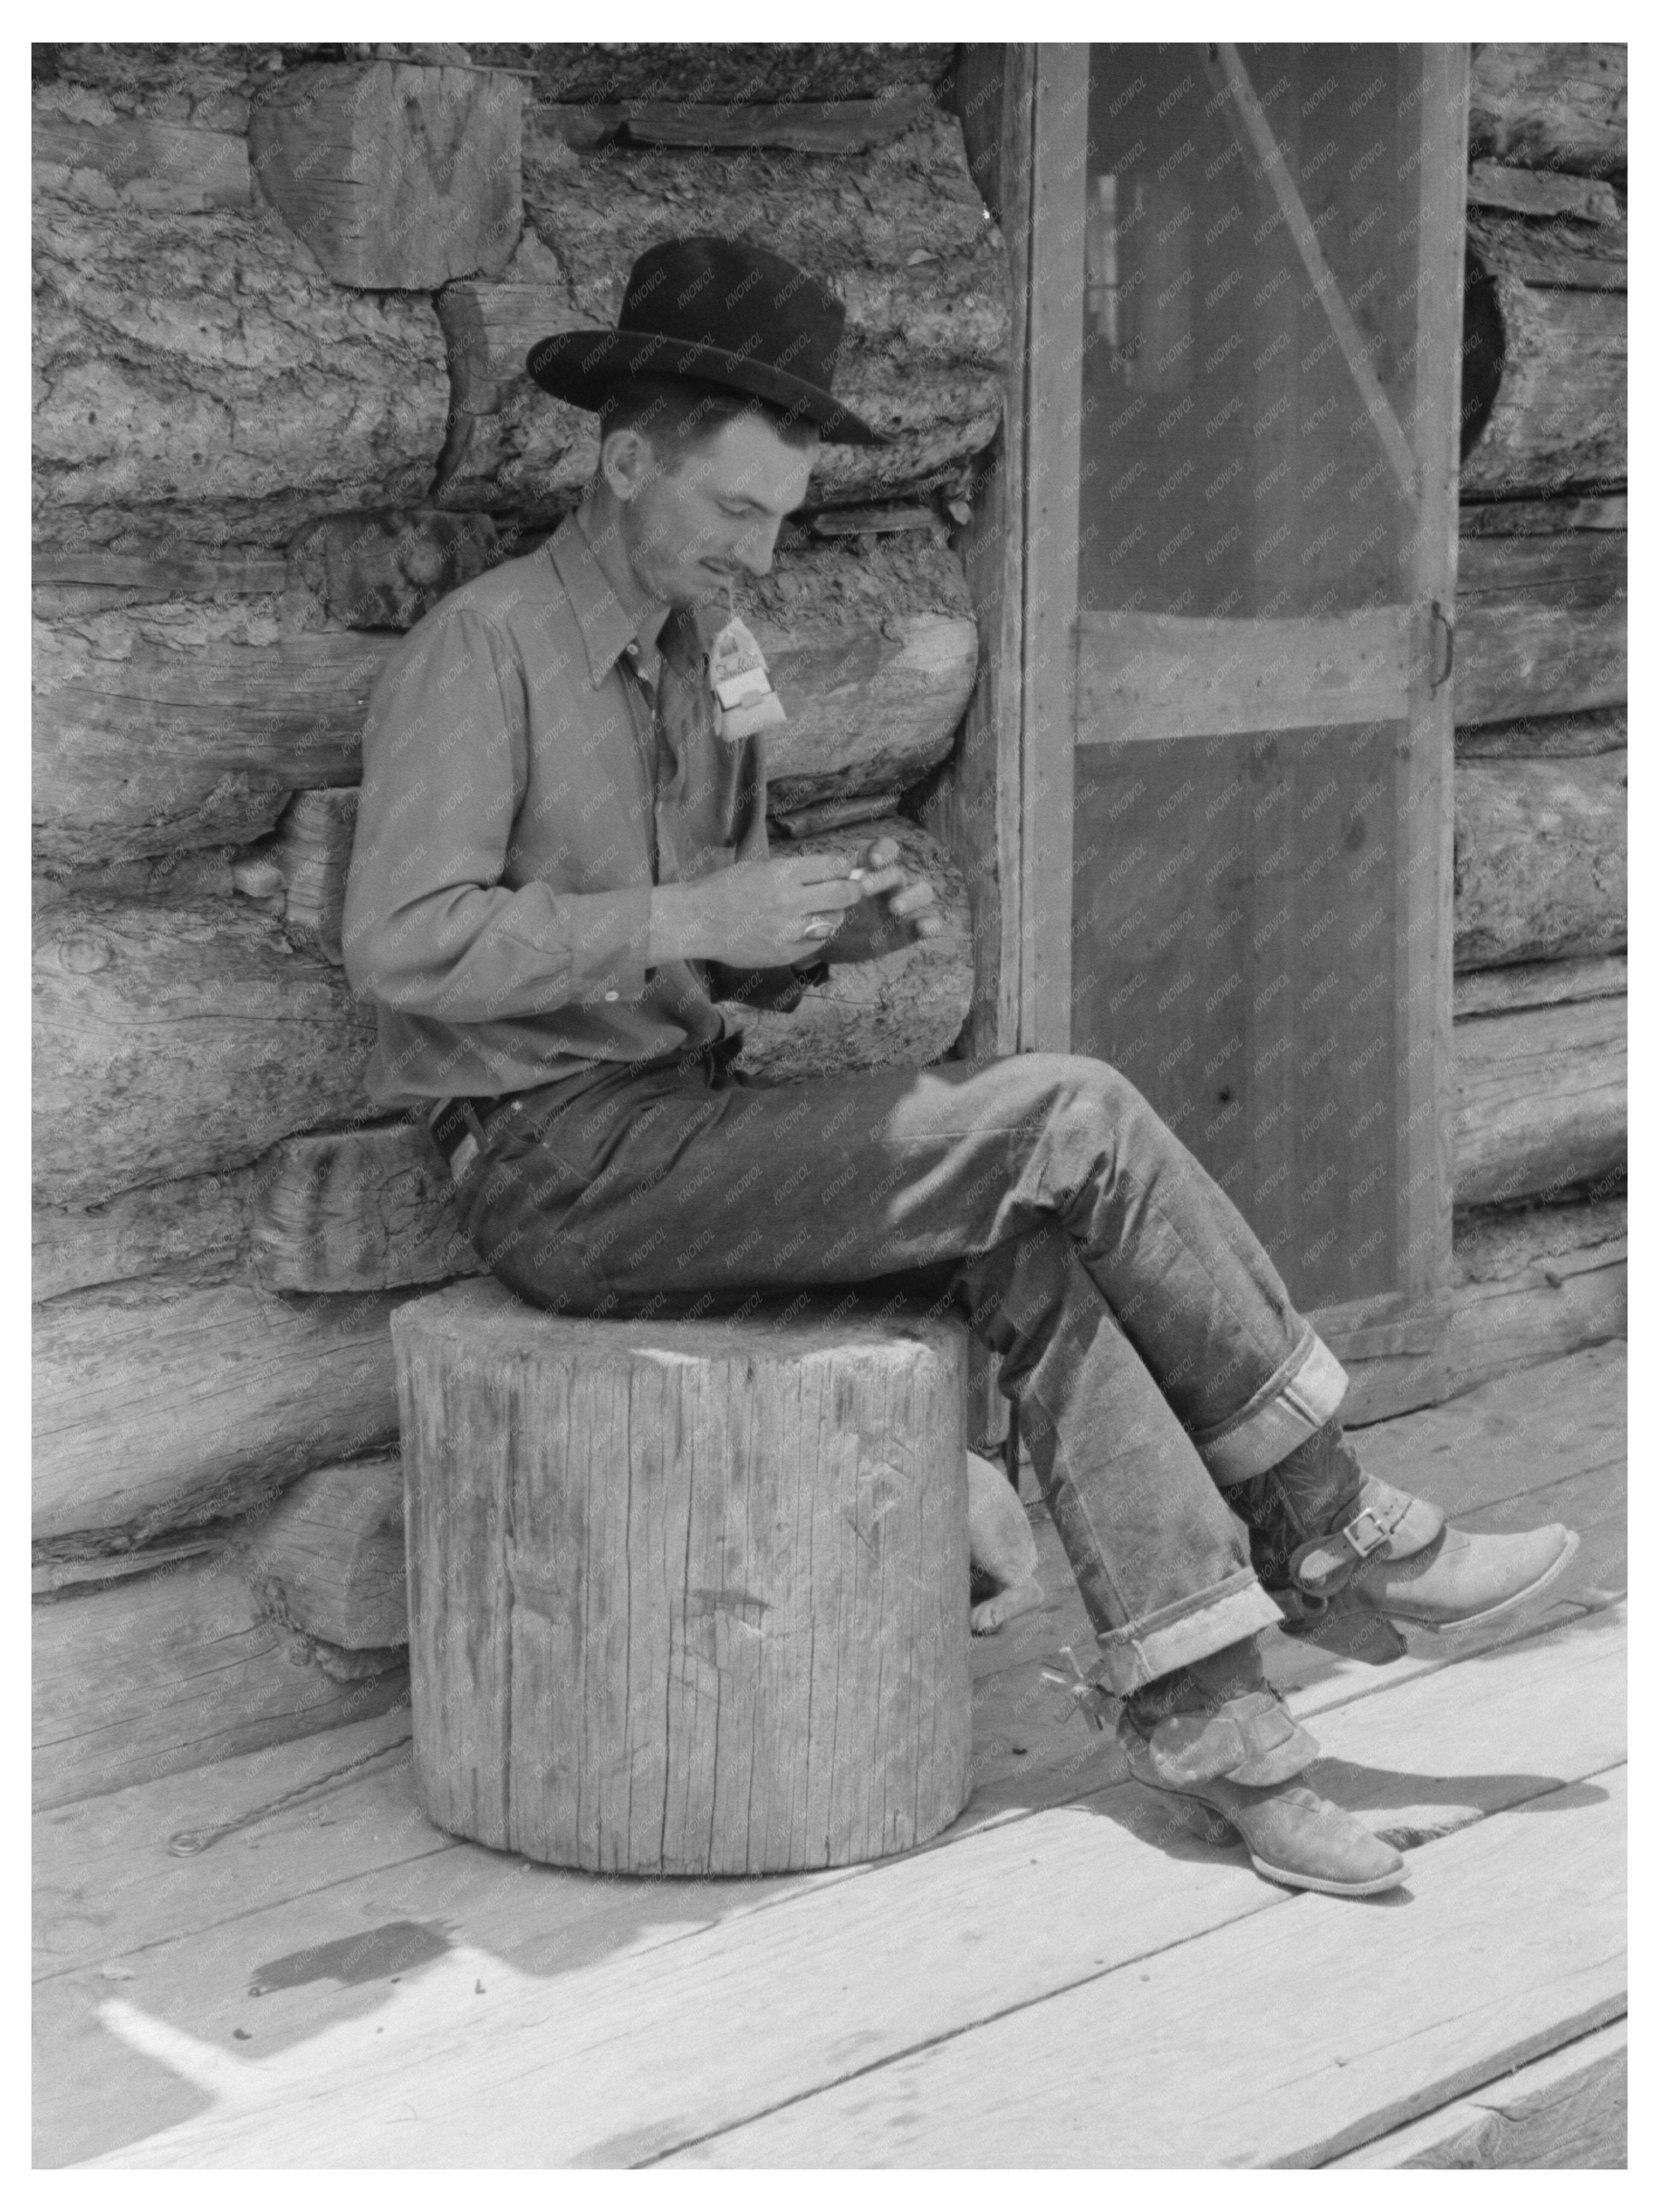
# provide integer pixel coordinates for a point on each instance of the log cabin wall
(1541, 717)
(283, 299)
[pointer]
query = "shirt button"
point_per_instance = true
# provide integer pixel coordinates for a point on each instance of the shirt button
(611, 997)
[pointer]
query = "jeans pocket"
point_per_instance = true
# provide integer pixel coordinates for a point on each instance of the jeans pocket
(515, 1202)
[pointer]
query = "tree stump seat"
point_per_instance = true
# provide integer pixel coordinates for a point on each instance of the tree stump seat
(686, 1597)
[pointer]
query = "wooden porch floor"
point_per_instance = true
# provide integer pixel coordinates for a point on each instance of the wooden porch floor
(1058, 1981)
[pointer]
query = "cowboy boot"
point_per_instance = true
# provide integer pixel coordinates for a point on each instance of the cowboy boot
(1216, 1735)
(1346, 1556)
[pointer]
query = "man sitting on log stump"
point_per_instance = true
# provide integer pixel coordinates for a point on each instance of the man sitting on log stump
(562, 861)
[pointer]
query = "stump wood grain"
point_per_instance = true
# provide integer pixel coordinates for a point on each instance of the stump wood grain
(686, 1596)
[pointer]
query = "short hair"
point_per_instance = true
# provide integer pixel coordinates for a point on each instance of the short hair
(679, 414)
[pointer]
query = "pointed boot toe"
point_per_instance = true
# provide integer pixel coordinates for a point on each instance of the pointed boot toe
(1301, 1840)
(1466, 1579)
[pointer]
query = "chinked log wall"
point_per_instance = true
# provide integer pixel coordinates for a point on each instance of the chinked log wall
(1543, 722)
(282, 314)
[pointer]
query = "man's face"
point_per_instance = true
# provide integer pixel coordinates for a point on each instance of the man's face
(712, 513)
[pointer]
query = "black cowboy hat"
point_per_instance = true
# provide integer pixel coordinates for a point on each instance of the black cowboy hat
(725, 314)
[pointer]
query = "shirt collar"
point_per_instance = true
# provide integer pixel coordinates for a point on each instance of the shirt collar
(606, 631)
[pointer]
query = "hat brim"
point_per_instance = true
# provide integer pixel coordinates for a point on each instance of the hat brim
(580, 366)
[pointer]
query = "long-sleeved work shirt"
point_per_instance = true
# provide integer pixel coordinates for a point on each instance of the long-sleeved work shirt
(532, 764)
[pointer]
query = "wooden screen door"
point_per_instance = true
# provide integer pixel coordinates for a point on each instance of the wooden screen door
(1241, 403)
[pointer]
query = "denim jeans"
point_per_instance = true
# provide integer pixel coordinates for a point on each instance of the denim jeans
(1151, 1347)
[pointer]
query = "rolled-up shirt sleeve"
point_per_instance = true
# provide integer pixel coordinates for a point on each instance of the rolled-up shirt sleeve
(431, 927)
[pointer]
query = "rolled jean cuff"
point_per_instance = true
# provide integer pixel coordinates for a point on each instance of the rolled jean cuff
(1284, 1411)
(1177, 1634)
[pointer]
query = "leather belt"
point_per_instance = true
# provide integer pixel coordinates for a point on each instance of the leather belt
(457, 1125)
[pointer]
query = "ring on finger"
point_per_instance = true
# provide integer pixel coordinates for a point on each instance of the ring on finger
(819, 925)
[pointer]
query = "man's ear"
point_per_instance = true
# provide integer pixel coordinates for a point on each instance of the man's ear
(625, 460)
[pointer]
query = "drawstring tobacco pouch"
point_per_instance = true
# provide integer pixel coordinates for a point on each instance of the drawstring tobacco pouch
(744, 702)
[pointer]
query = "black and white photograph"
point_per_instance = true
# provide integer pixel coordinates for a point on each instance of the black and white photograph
(828, 1065)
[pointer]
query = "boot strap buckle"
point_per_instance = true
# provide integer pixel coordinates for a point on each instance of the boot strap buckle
(1364, 1533)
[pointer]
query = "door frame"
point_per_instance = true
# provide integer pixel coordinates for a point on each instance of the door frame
(1022, 745)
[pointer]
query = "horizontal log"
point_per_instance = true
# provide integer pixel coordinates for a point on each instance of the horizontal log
(159, 1408)
(1539, 1100)
(162, 572)
(172, 726)
(1502, 1244)
(1538, 865)
(362, 1209)
(177, 878)
(1560, 341)
(1542, 518)
(344, 1210)
(1518, 562)
(396, 175)
(1550, 737)
(873, 522)
(1552, 1306)
(1541, 625)
(1551, 105)
(328, 1557)
(1519, 191)
(195, 1230)
(902, 1011)
(724, 70)
(180, 1040)
(923, 275)
(1538, 983)
(109, 83)
(55, 1575)
(206, 369)
(175, 1669)
(1561, 251)
(53, 602)
(800, 126)
(147, 162)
